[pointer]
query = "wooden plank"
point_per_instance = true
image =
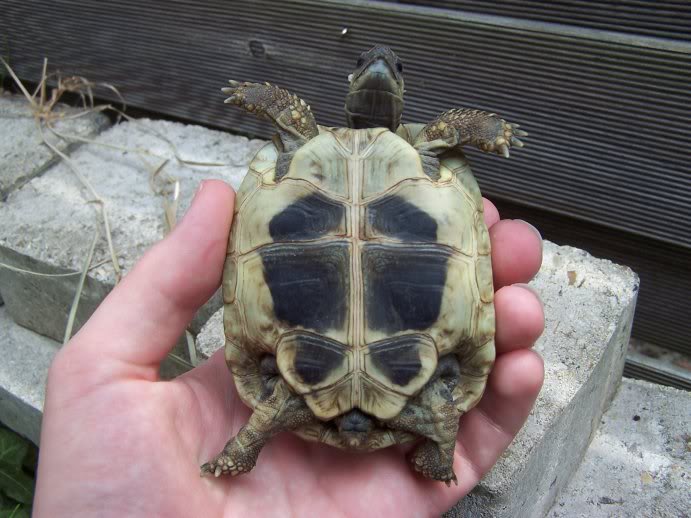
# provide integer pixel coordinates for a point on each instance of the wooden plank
(670, 19)
(609, 122)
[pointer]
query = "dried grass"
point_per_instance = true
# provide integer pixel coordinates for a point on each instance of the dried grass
(43, 105)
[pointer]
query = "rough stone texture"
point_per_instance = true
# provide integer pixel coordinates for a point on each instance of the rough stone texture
(639, 463)
(589, 306)
(211, 337)
(26, 357)
(23, 155)
(47, 225)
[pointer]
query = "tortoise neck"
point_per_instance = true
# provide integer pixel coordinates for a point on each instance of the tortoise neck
(373, 109)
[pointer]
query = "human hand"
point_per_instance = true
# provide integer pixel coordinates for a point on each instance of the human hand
(116, 441)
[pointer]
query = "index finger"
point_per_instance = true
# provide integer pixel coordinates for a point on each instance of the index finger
(490, 212)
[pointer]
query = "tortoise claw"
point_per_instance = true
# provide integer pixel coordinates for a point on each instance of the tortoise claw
(452, 479)
(508, 138)
(516, 142)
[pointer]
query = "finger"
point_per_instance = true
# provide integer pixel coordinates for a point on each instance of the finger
(520, 318)
(488, 429)
(516, 252)
(140, 320)
(490, 211)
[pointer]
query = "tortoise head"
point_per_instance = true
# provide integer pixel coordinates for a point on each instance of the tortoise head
(375, 96)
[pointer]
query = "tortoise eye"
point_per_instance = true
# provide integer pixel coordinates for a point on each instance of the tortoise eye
(360, 62)
(399, 66)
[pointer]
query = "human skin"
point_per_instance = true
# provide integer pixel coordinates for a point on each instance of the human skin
(117, 441)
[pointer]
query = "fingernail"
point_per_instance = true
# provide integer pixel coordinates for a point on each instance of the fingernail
(196, 194)
(194, 200)
(532, 290)
(537, 232)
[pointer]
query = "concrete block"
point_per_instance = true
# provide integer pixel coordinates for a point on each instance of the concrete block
(589, 306)
(47, 225)
(639, 463)
(26, 357)
(23, 155)
(211, 337)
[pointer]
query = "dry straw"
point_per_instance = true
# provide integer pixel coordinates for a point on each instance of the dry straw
(45, 113)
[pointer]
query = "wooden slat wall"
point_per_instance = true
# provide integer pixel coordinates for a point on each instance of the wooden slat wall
(608, 110)
(663, 310)
(643, 17)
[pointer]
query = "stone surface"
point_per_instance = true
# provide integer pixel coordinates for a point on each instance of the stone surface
(47, 225)
(639, 463)
(211, 337)
(26, 357)
(589, 306)
(23, 155)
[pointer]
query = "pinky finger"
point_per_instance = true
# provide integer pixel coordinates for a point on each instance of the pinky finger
(488, 429)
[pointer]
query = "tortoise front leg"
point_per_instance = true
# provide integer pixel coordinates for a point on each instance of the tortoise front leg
(460, 127)
(434, 415)
(291, 115)
(278, 412)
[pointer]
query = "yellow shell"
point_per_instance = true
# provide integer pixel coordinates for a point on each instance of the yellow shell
(358, 271)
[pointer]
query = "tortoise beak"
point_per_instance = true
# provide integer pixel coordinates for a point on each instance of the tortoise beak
(377, 76)
(375, 97)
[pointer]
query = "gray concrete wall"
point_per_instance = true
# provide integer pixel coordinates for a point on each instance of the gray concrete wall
(47, 225)
(639, 463)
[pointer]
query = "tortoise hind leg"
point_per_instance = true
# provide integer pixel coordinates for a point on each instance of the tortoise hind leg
(434, 415)
(280, 411)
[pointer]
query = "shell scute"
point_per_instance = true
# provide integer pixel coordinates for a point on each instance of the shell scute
(357, 217)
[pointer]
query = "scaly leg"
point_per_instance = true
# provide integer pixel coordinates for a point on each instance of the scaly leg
(433, 415)
(290, 114)
(278, 412)
(462, 126)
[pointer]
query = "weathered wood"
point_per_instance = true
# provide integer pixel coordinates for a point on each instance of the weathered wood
(670, 19)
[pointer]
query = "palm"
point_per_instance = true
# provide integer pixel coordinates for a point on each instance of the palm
(159, 432)
(313, 479)
(117, 442)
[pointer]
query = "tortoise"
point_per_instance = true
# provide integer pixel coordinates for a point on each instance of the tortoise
(358, 282)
